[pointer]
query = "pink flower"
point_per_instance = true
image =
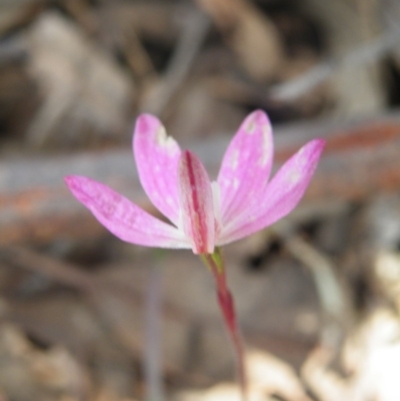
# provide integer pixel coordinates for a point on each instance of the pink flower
(203, 214)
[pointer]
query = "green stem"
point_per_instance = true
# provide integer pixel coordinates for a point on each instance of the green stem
(215, 264)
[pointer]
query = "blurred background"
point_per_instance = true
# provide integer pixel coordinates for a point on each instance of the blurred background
(317, 294)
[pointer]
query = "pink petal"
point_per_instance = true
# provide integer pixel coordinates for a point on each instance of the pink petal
(157, 158)
(280, 196)
(124, 219)
(246, 165)
(196, 203)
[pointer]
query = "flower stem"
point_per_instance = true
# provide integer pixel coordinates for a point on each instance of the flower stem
(215, 264)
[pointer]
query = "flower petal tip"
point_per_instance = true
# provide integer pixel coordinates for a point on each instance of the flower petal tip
(259, 115)
(71, 181)
(145, 122)
(81, 187)
(319, 143)
(314, 149)
(256, 119)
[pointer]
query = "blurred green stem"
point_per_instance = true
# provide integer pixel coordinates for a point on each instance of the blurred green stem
(153, 329)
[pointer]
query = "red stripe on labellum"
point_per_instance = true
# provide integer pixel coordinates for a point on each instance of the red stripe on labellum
(198, 222)
(196, 203)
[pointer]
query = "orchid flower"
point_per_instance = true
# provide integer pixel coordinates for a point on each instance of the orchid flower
(204, 214)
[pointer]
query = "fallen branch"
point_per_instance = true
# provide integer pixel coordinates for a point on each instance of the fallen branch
(361, 159)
